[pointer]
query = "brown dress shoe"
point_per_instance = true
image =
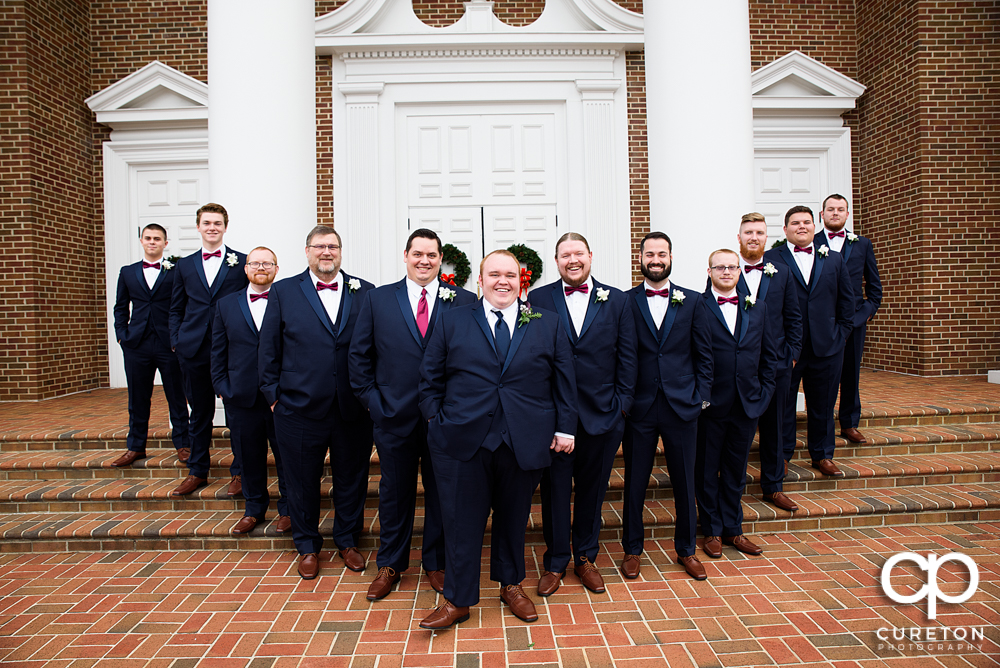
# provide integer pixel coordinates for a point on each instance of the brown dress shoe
(129, 458)
(630, 566)
(590, 576)
(353, 559)
(853, 435)
(382, 585)
(309, 566)
(519, 603)
(548, 584)
(827, 467)
(444, 616)
(245, 525)
(284, 524)
(779, 500)
(436, 578)
(235, 486)
(183, 455)
(693, 567)
(189, 485)
(743, 544)
(713, 546)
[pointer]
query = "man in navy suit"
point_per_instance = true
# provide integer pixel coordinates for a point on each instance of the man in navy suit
(826, 300)
(393, 328)
(235, 338)
(202, 279)
(598, 323)
(744, 360)
(498, 390)
(304, 377)
(775, 287)
(144, 337)
(859, 256)
(673, 387)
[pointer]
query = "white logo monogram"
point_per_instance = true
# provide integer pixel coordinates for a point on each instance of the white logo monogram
(930, 591)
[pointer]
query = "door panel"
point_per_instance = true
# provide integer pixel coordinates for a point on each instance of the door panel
(783, 181)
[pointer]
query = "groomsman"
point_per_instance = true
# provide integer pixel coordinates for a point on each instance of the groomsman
(673, 387)
(304, 341)
(597, 321)
(744, 360)
(827, 304)
(144, 336)
(774, 287)
(202, 279)
(498, 390)
(862, 268)
(235, 338)
(395, 323)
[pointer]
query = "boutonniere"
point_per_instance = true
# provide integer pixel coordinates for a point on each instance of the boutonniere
(748, 302)
(851, 237)
(232, 260)
(770, 269)
(166, 264)
(527, 315)
(677, 297)
(354, 285)
(823, 251)
(601, 295)
(446, 295)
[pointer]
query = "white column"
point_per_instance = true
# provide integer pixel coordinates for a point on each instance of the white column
(262, 123)
(699, 120)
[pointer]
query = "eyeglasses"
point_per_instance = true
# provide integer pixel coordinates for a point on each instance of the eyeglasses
(323, 247)
(260, 265)
(724, 268)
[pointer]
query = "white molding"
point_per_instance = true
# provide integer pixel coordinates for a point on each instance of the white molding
(824, 91)
(349, 17)
(111, 105)
(609, 15)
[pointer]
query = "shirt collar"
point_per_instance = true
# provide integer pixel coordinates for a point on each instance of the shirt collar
(508, 312)
(315, 279)
(414, 288)
(744, 262)
(719, 294)
(589, 283)
(647, 286)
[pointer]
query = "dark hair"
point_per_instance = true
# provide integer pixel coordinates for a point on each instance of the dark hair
(323, 230)
(423, 233)
(801, 208)
(211, 207)
(572, 236)
(154, 226)
(655, 235)
(833, 196)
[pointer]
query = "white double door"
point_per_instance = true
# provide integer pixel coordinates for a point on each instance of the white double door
(782, 181)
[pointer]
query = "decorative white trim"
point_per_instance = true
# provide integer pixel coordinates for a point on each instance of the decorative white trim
(349, 17)
(410, 54)
(608, 15)
(822, 89)
(112, 105)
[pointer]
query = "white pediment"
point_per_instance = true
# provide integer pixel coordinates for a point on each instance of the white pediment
(796, 81)
(155, 95)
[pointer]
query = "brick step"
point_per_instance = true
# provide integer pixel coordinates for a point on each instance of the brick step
(209, 529)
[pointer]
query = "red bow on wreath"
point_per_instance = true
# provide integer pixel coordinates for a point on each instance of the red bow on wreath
(525, 281)
(448, 278)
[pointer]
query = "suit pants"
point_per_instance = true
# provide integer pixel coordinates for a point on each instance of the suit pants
(773, 432)
(141, 365)
(721, 469)
(399, 458)
(468, 490)
(197, 373)
(850, 394)
(304, 443)
(585, 472)
(250, 430)
(639, 447)
(819, 377)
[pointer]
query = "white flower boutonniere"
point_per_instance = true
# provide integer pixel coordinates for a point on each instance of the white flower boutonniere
(823, 251)
(770, 269)
(851, 237)
(232, 260)
(446, 294)
(748, 302)
(601, 295)
(354, 285)
(677, 297)
(167, 265)
(527, 315)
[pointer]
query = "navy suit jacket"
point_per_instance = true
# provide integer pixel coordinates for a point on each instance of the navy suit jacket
(604, 354)
(860, 259)
(234, 351)
(744, 363)
(677, 359)
(827, 302)
(462, 384)
(302, 355)
(150, 308)
(387, 350)
(783, 313)
(192, 303)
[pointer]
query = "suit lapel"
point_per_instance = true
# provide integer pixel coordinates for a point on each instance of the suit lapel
(223, 270)
(668, 319)
(560, 303)
(793, 265)
(309, 290)
(713, 305)
(592, 307)
(245, 308)
(404, 308)
(765, 281)
(344, 312)
(640, 299)
(743, 322)
(847, 250)
(519, 332)
(160, 277)
(817, 270)
(479, 314)
(199, 268)
(141, 277)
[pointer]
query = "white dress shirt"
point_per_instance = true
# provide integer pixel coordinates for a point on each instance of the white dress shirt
(257, 308)
(658, 305)
(577, 304)
(151, 273)
(752, 278)
(803, 260)
(836, 243)
(212, 264)
(729, 311)
(509, 316)
(413, 292)
(331, 298)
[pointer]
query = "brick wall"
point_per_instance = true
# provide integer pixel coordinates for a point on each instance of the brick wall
(638, 155)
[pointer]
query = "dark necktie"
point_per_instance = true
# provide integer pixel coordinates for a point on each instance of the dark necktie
(840, 234)
(205, 256)
(728, 300)
(254, 296)
(501, 335)
(751, 267)
(570, 290)
(422, 312)
(807, 249)
(320, 285)
(665, 292)
(150, 265)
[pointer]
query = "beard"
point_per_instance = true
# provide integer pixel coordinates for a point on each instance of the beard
(655, 276)
(752, 256)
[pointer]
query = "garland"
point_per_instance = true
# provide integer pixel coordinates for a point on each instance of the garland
(529, 258)
(460, 261)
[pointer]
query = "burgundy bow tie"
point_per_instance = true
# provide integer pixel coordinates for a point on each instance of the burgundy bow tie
(570, 290)
(807, 249)
(254, 296)
(150, 265)
(665, 292)
(320, 285)
(840, 234)
(728, 300)
(750, 267)
(205, 256)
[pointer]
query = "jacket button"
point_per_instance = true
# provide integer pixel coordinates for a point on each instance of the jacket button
(501, 384)
(489, 414)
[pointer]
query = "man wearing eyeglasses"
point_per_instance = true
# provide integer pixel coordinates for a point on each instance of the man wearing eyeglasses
(235, 338)
(304, 344)
(744, 359)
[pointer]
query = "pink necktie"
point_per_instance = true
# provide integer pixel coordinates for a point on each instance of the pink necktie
(422, 312)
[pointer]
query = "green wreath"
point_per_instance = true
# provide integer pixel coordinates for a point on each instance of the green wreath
(459, 260)
(529, 258)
